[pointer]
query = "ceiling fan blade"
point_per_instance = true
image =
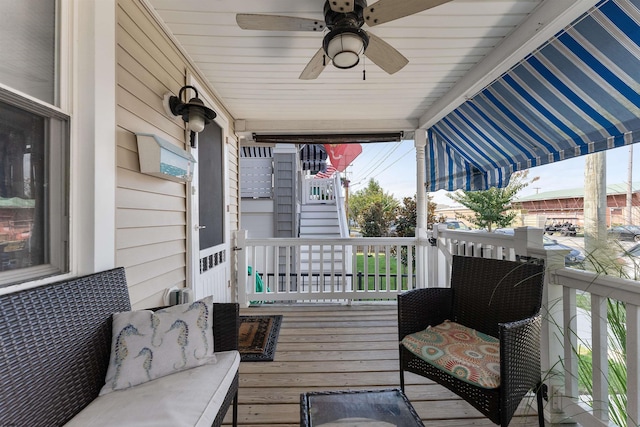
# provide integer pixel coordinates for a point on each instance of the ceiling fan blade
(250, 21)
(387, 10)
(315, 66)
(384, 55)
(341, 6)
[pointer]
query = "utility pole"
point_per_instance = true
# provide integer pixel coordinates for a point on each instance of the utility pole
(630, 186)
(595, 202)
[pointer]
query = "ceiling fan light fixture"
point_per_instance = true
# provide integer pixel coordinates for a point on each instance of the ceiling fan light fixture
(345, 45)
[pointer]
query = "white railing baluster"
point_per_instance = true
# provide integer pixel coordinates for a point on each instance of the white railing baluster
(599, 339)
(570, 342)
(299, 281)
(376, 268)
(633, 360)
(287, 269)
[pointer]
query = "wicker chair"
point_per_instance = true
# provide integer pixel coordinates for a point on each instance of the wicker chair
(498, 298)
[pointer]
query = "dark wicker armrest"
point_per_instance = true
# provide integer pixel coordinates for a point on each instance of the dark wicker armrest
(226, 321)
(420, 308)
(519, 359)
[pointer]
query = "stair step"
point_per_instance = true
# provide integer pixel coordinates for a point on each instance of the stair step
(317, 207)
(320, 231)
(313, 222)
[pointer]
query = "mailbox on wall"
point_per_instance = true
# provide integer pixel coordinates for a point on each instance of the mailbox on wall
(162, 159)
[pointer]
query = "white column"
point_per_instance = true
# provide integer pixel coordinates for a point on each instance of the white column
(93, 143)
(420, 141)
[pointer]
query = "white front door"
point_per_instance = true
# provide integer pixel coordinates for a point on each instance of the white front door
(209, 245)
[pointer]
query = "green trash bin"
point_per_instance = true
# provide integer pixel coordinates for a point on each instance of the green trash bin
(259, 284)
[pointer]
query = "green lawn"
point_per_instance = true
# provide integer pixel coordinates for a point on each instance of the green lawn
(381, 272)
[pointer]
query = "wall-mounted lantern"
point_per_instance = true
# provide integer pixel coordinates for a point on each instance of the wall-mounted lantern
(194, 113)
(162, 159)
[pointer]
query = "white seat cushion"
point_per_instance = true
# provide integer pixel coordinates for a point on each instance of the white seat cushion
(188, 398)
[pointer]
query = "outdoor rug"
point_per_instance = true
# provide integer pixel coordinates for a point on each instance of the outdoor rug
(258, 337)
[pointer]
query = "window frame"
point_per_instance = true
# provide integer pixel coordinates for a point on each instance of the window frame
(57, 146)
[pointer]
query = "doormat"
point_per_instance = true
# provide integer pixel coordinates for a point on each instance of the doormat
(258, 337)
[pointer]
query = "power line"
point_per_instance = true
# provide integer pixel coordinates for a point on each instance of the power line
(372, 168)
(375, 162)
(366, 178)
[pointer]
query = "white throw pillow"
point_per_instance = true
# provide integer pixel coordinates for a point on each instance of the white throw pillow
(147, 345)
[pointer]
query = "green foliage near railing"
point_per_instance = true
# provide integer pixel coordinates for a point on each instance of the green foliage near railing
(616, 363)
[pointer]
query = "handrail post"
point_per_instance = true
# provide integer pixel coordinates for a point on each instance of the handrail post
(242, 262)
(421, 258)
(528, 242)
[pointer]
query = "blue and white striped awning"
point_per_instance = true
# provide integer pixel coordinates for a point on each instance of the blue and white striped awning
(577, 94)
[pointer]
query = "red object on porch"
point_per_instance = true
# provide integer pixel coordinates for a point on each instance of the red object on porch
(341, 155)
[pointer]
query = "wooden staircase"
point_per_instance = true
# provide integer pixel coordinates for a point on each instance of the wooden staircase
(321, 221)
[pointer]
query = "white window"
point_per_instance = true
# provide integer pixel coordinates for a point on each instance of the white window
(34, 145)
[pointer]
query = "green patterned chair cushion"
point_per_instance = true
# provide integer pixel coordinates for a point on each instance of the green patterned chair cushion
(469, 355)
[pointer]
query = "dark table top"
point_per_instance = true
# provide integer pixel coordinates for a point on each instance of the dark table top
(371, 408)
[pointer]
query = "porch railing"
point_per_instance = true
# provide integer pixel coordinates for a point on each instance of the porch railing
(332, 269)
(319, 190)
(568, 398)
(383, 267)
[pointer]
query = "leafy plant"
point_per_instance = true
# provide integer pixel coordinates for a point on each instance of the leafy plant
(492, 207)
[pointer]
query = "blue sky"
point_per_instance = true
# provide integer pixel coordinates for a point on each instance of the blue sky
(393, 165)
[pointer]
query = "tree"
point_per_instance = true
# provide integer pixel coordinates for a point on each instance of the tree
(408, 216)
(372, 209)
(491, 207)
(373, 224)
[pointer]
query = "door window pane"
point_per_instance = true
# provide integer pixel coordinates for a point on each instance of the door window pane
(211, 183)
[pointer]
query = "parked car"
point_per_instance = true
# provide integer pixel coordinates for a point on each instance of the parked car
(455, 225)
(630, 261)
(574, 258)
(634, 251)
(625, 232)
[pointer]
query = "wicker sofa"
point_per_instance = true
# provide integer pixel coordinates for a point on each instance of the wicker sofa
(56, 344)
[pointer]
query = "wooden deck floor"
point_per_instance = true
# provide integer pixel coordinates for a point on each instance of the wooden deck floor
(334, 347)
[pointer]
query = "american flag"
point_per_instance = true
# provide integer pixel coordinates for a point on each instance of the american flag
(326, 172)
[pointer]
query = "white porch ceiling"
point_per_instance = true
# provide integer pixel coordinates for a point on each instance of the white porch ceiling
(454, 50)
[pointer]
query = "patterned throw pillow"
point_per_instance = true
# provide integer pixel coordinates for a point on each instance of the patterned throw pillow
(465, 353)
(147, 345)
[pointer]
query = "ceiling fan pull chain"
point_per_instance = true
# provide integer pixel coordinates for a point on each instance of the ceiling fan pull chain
(324, 60)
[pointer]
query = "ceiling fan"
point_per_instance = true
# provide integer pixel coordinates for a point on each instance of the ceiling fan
(346, 40)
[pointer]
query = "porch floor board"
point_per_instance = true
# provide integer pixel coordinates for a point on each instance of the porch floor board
(335, 347)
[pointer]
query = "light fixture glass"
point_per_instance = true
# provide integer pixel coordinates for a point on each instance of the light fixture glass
(196, 119)
(344, 50)
(345, 45)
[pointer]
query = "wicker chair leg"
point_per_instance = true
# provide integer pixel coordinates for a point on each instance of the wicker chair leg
(540, 404)
(401, 371)
(235, 410)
